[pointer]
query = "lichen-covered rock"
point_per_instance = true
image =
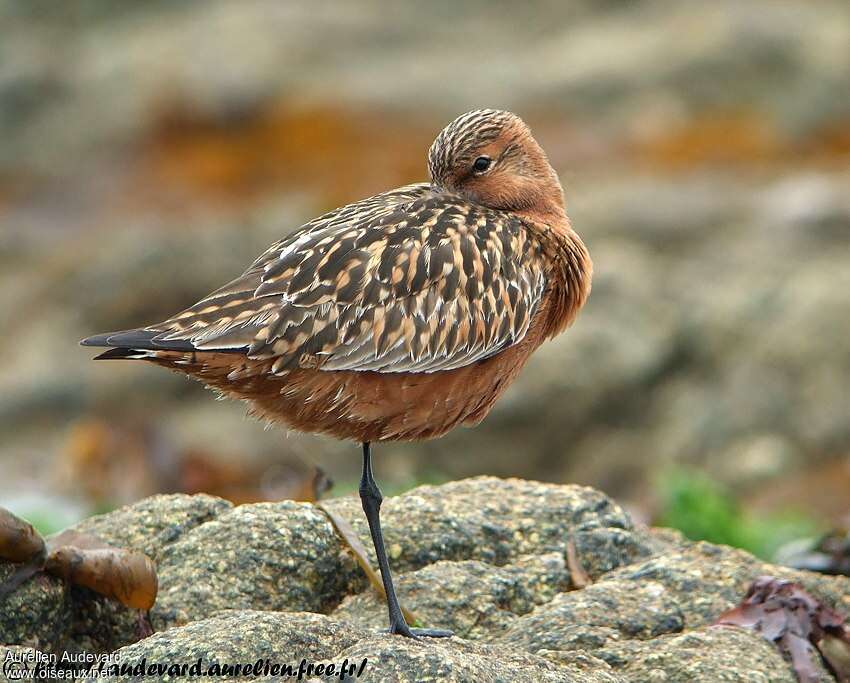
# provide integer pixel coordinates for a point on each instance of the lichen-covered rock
(710, 654)
(154, 523)
(234, 637)
(149, 526)
(474, 599)
(706, 580)
(435, 661)
(601, 613)
(241, 637)
(52, 616)
(685, 588)
(498, 520)
(38, 613)
(601, 549)
(488, 558)
(273, 556)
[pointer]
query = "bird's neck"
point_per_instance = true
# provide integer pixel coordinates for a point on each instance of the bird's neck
(548, 211)
(569, 266)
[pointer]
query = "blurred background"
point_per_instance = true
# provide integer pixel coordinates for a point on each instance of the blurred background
(149, 151)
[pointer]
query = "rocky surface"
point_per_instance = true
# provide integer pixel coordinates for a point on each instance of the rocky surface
(704, 654)
(38, 613)
(477, 600)
(499, 522)
(286, 638)
(485, 557)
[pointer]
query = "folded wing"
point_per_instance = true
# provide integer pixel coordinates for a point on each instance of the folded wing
(407, 281)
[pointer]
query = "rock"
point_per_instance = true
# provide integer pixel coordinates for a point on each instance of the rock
(603, 612)
(457, 660)
(498, 520)
(244, 636)
(706, 580)
(285, 638)
(150, 526)
(485, 557)
(52, 616)
(685, 588)
(154, 523)
(276, 556)
(705, 654)
(38, 613)
(475, 599)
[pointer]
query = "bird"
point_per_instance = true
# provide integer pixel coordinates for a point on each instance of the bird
(397, 317)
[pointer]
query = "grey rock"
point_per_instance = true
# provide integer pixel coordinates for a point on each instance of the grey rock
(587, 619)
(153, 523)
(275, 556)
(37, 614)
(705, 655)
(485, 557)
(233, 637)
(602, 549)
(473, 599)
(706, 580)
(48, 614)
(458, 660)
(149, 526)
(499, 520)
(683, 589)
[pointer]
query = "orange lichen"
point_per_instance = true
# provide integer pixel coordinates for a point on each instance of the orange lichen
(279, 144)
(715, 138)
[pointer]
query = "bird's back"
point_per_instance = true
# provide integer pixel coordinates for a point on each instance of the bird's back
(407, 281)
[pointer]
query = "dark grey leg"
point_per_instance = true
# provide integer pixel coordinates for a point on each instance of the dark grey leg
(370, 496)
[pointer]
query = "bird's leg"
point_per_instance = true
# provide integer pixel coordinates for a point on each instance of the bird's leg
(370, 496)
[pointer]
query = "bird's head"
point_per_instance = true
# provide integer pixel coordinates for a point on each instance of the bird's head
(490, 157)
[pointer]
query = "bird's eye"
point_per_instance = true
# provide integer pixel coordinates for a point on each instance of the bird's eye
(481, 164)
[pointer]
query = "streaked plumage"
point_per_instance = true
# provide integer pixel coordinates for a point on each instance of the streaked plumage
(398, 316)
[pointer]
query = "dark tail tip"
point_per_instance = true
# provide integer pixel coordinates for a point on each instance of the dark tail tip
(122, 354)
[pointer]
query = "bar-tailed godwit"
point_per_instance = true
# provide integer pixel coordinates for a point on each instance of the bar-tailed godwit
(397, 317)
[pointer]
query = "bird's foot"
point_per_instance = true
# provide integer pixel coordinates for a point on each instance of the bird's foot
(403, 629)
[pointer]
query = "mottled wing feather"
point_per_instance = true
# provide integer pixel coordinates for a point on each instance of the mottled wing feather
(232, 316)
(407, 281)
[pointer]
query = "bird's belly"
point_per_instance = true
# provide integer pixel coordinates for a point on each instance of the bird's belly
(373, 406)
(365, 406)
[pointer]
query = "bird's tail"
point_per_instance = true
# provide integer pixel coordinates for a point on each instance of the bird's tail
(135, 344)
